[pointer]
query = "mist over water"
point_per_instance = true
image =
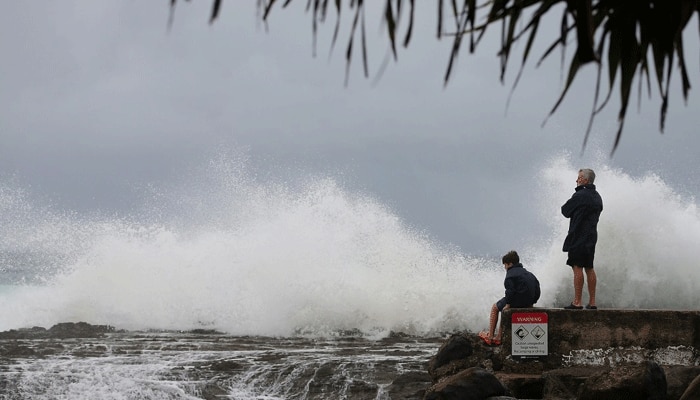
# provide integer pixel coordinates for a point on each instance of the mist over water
(225, 249)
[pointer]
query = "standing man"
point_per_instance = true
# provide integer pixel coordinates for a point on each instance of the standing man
(583, 210)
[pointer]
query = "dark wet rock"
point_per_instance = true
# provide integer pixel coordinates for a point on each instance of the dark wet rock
(63, 330)
(91, 350)
(470, 384)
(212, 391)
(457, 347)
(642, 381)
(28, 349)
(409, 386)
(678, 379)
(359, 390)
(205, 332)
(225, 366)
(327, 380)
(527, 386)
(459, 352)
(693, 390)
(566, 383)
(25, 333)
(78, 330)
(13, 350)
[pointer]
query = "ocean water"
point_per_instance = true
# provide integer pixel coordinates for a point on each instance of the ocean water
(236, 254)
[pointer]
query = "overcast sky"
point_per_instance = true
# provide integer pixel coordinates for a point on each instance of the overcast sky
(99, 97)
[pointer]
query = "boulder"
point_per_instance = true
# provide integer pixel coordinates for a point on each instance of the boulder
(409, 386)
(471, 384)
(646, 380)
(462, 351)
(63, 330)
(25, 333)
(78, 330)
(566, 383)
(693, 390)
(456, 347)
(527, 386)
(678, 379)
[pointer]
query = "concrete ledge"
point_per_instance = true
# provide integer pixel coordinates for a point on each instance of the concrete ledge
(609, 337)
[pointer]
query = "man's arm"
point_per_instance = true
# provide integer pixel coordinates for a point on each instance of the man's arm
(570, 206)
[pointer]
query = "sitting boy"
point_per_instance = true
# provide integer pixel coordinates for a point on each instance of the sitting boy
(522, 291)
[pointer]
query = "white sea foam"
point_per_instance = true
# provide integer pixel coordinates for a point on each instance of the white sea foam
(228, 251)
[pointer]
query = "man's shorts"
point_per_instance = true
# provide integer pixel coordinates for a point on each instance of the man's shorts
(581, 258)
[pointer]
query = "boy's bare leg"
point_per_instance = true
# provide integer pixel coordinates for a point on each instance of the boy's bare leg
(500, 326)
(493, 320)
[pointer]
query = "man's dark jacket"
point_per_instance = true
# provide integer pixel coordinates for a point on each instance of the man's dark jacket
(583, 210)
(522, 287)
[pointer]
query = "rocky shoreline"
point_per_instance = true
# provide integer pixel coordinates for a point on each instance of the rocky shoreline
(596, 355)
(639, 362)
(466, 369)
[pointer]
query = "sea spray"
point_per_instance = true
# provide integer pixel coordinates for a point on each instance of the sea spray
(230, 250)
(260, 258)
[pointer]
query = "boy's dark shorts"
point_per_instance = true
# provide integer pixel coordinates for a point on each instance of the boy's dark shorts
(581, 258)
(501, 303)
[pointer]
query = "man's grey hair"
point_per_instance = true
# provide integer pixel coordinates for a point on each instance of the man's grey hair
(588, 174)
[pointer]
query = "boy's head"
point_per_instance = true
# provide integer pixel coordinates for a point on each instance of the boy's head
(511, 258)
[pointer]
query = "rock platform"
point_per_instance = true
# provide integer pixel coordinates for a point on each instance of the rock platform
(576, 354)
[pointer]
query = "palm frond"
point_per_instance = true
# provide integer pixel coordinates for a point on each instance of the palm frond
(616, 33)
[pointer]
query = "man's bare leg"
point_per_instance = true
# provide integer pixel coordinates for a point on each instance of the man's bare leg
(578, 285)
(592, 280)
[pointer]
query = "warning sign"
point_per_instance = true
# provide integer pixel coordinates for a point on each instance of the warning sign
(529, 334)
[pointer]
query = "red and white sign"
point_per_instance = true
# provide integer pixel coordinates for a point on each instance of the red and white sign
(529, 334)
